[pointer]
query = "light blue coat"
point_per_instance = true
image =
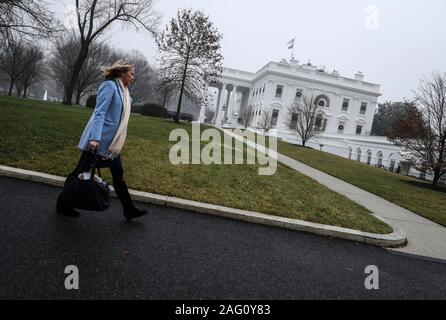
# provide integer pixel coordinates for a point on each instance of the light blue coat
(105, 120)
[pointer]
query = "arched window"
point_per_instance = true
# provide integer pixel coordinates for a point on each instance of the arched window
(322, 101)
(318, 121)
(369, 157)
(380, 159)
(358, 154)
(350, 153)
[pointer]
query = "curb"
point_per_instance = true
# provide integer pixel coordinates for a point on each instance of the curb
(395, 239)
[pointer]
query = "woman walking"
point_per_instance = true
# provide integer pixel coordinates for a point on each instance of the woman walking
(105, 135)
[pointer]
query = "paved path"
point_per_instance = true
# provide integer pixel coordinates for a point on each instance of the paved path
(425, 238)
(176, 254)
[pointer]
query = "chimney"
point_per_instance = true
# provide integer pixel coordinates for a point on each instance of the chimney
(359, 76)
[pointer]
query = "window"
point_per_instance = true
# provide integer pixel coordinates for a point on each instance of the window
(358, 155)
(358, 129)
(363, 108)
(318, 122)
(350, 152)
(345, 105)
(392, 165)
(369, 157)
(298, 94)
(274, 117)
(293, 123)
(341, 127)
(380, 160)
(322, 101)
(263, 89)
(279, 91)
(324, 125)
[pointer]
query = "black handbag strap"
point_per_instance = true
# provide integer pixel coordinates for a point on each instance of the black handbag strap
(94, 165)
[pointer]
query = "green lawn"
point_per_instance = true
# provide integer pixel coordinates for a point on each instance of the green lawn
(43, 136)
(410, 193)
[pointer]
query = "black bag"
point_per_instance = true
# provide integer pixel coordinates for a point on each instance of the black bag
(88, 194)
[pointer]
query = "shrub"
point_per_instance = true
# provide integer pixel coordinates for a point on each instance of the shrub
(136, 109)
(91, 101)
(154, 110)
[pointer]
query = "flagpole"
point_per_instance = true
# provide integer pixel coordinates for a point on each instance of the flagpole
(292, 53)
(291, 43)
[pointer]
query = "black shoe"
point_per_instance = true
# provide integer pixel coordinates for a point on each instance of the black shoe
(68, 213)
(132, 213)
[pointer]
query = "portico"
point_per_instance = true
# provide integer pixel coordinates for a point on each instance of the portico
(232, 99)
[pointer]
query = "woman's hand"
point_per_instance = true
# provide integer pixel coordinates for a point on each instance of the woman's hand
(93, 145)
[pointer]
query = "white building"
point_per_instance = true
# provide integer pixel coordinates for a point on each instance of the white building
(347, 107)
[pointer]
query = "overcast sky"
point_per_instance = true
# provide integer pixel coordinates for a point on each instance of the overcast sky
(394, 43)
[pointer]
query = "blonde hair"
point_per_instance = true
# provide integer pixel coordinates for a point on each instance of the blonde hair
(118, 69)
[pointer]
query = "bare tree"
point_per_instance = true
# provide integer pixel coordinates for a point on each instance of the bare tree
(26, 18)
(246, 116)
(140, 89)
(33, 68)
(164, 87)
(265, 120)
(11, 61)
(95, 17)
(302, 118)
(421, 133)
(63, 58)
(91, 76)
(191, 54)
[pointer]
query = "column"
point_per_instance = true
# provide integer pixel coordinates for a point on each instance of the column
(226, 104)
(231, 107)
(217, 107)
(221, 102)
(243, 105)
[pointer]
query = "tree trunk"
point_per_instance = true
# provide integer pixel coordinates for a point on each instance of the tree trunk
(24, 92)
(177, 117)
(68, 95)
(11, 86)
(164, 100)
(78, 97)
(303, 143)
(437, 175)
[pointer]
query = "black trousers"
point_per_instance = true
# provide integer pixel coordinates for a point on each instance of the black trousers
(86, 161)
